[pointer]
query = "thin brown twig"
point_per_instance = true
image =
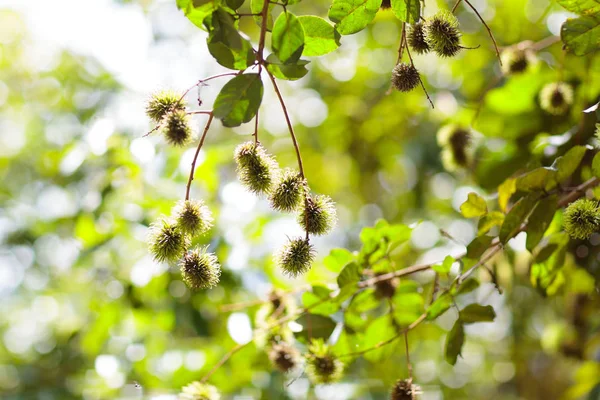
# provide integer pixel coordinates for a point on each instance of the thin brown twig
(420, 80)
(456, 5)
(408, 364)
(263, 31)
(488, 30)
(223, 360)
(191, 178)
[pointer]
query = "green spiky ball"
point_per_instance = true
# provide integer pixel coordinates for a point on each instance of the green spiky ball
(257, 169)
(457, 149)
(582, 218)
(442, 34)
(289, 191)
(404, 389)
(193, 217)
(200, 269)
(516, 60)
(177, 129)
(295, 257)
(318, 216)
(284, 357)
(166, 241)
(416, 38)
(199, 391)
(322, 366)
(405, 77)
(556, 98)
(163, 102)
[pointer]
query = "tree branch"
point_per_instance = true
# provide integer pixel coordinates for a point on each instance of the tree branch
(191, 178)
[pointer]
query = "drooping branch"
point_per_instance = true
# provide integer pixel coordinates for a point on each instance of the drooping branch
(413, 64)
(193, 168)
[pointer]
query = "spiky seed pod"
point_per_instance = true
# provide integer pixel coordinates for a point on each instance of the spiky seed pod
(295, 257)
(404, 389)
(387, 288)
(284, 357)
(457, 146)
(582, 218)
(322, 365)
(289, 191)
(177, 129)
(193, 217)
(385, 4)
(416, 38)
(200, 269)
(318, 215)
(442, 34)
(516, 60)
(405, 77)
(199, 391)
(163, 102)
(166, 241)
(556, 98)
(257, 169)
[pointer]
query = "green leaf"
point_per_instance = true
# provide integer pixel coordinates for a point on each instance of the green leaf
(445, 266)
(466, 287)
(407, 10)
(319, 301)
(567, 164)
(320, 37)
(488, 221)
(596, 165)
(477, 313)
(234, 4)
(408, 307)
(349, 275)
(545, 273)
(256, 7)
(315, 327)
(516, 216)
(352, 16)
(475, 206)
(540, 220)
(379, 330)
(439, 306)
(543, 178)
(225, 43)
(582, 35)
(478, 246)
(337, 259)
(505, 192)
(289, 72)
(287, 39)
(239, 100)
(197, 14)
(454, 342)
(581, 6)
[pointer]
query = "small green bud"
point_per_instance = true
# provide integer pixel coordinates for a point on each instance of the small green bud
(405, 77)
(295, 257)
(177, 129)
(200, 269)
(163, 102)
(556, 98)
(442, 34)
(257, 169)
(582, 218)
(199, 391)
(404, 389)
(288, 192)
(166, 242)
(318, 215)
(322, 365)
(516, 60)
(416, 38)
(284, 357)
(193, 217)
(457, 146)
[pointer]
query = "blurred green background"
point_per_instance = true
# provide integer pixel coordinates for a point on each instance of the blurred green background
(86, 313)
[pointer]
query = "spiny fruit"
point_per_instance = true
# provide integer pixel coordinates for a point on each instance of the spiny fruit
(386, 288)
(322, 365)
(284, 357)
(318, 215)
(405, 77)
(442, 34)
(416, 38)
(288, 192)
(385, 4)
(163, 102)
(404, 389)
(457, 150)
(193, 217)
(582, 218)
(257, 169)
(177, 129)
(295, 257)
(200, 269)
(556, 98)
(166, 241)
(516, 60)
(199, 391)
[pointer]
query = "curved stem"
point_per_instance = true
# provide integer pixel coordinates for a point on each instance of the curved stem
(223, 360)
(191, 178)
(413, 64)
(488, 29)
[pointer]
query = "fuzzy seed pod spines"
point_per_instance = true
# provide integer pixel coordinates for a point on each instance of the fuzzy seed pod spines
(387, 288)
(582, 218)
(177, 129)
(163, 102)
(257, 169)
(200, 269)
(199, 391)
(404, 389)
(416, 38)
(166, 241)
(295, 257)
(284, 357)
(556, 98)
(318, 216)
(322, 365)
(193, 217)
(516, 60)
(386, 4)
(442, 34)
(289, 191)
(457, 148)
(405, 77)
